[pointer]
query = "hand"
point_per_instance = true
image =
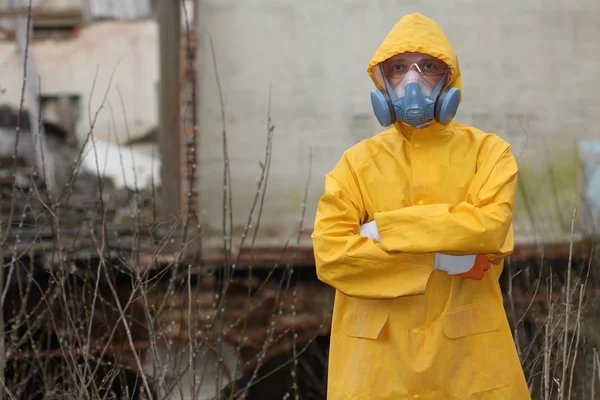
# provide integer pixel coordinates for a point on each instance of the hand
(481, 265)
(370, 230)
(454, 265)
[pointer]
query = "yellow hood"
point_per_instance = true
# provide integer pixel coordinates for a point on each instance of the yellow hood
(416, 33)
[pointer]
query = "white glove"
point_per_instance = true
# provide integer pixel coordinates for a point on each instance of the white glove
(454, 265)
(370, 230)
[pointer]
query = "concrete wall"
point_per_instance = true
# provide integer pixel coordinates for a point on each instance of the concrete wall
(529, 75)
(83, 65)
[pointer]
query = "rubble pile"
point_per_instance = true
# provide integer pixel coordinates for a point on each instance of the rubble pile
(92, 226)
(262, 318)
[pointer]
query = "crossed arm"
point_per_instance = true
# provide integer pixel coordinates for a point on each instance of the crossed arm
(401, 262)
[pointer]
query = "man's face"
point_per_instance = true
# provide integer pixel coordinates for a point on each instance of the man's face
(431, 69)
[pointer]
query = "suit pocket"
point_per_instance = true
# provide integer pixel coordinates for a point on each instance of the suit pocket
(476, 349)
(367, 361)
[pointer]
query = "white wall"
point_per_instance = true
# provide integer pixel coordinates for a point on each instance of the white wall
(535, 60)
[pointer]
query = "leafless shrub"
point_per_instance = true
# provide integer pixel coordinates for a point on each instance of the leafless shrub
(99, 300)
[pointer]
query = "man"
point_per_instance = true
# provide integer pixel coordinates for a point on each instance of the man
(405, 232)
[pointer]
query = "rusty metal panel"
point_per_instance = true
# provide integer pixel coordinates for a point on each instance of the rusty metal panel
(58, 5)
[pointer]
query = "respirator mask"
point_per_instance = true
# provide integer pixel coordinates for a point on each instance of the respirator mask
(415, 101)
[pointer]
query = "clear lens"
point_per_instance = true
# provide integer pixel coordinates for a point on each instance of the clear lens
(395, 69)
(411, 76)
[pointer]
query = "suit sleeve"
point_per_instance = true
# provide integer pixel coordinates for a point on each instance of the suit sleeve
(355, 265)
(482, 224)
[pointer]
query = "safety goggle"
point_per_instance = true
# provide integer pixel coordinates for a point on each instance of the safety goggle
(427, 67)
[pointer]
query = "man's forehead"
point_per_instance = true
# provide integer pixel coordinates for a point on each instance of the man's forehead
(410, 57)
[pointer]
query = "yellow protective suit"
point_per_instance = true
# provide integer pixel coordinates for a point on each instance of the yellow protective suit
(400, 329)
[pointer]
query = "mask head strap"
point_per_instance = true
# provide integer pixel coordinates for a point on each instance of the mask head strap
(387, 84)
(438, 87)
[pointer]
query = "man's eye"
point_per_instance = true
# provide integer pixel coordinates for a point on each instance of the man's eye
(397, 68)
(429, 66)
